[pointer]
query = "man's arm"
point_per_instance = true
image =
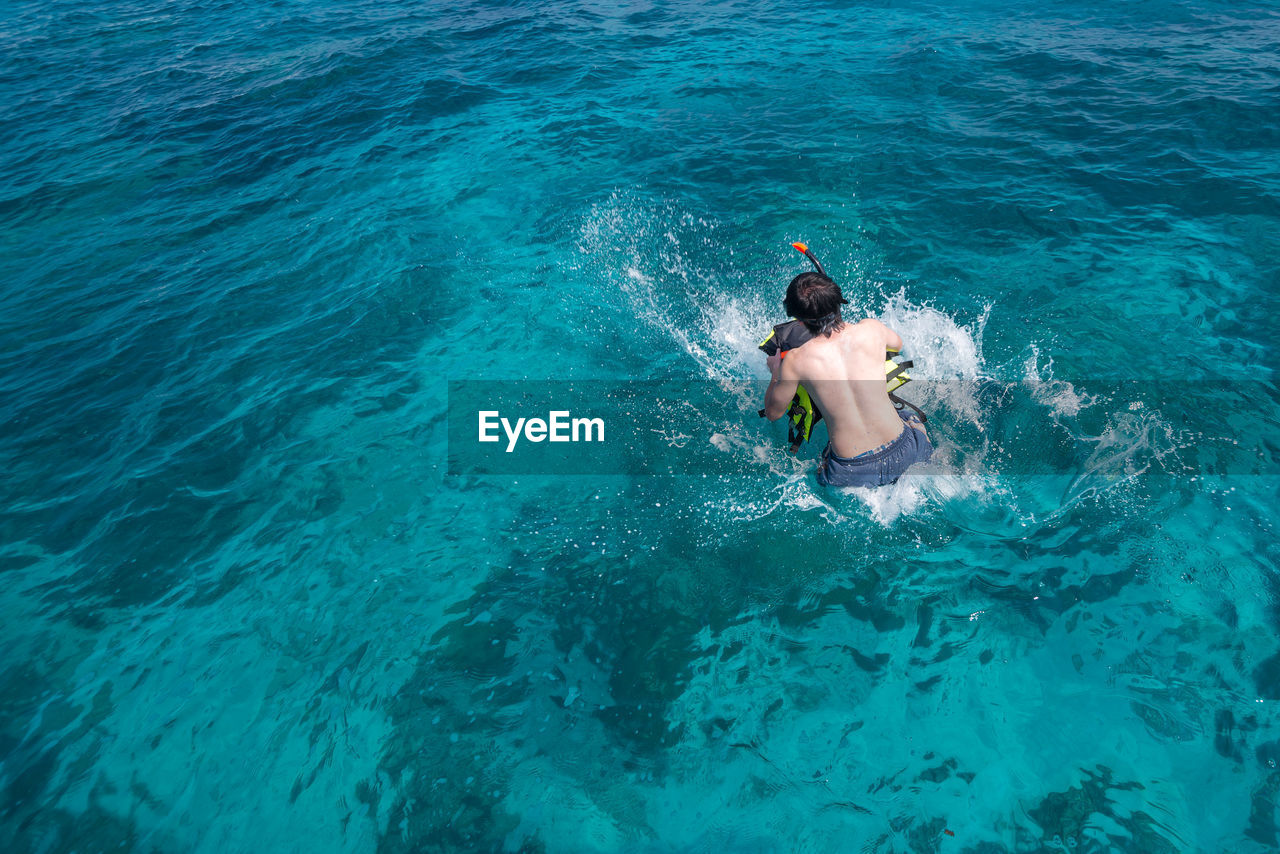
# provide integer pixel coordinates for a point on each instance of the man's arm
(777, 399)
(892, 340)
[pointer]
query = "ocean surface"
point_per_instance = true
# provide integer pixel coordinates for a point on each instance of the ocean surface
(247, 251)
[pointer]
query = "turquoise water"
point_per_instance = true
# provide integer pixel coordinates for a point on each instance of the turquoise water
(247, 607)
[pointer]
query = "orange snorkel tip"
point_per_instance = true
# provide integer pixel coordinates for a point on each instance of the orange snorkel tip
(800, 247)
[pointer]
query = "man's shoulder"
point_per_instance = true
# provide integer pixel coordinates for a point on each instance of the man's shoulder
(869, 329)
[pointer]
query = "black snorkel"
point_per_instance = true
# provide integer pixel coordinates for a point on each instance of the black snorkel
(800, 247)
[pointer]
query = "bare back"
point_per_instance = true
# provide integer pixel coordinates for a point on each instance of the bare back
(845, 376)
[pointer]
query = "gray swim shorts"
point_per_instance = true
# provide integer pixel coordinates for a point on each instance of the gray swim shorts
(881, 466)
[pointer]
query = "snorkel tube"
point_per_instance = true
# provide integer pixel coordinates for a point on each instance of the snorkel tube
(800, 247)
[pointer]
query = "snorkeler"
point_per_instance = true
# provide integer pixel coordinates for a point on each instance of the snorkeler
(842, 367)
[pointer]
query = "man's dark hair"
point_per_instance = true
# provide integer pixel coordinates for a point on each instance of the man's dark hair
(816, 300)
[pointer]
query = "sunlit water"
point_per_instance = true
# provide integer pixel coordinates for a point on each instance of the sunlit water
(246, 607)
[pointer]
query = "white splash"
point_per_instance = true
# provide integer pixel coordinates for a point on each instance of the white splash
(1058, 395)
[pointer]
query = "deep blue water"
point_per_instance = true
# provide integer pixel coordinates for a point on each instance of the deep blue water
(247, 607)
